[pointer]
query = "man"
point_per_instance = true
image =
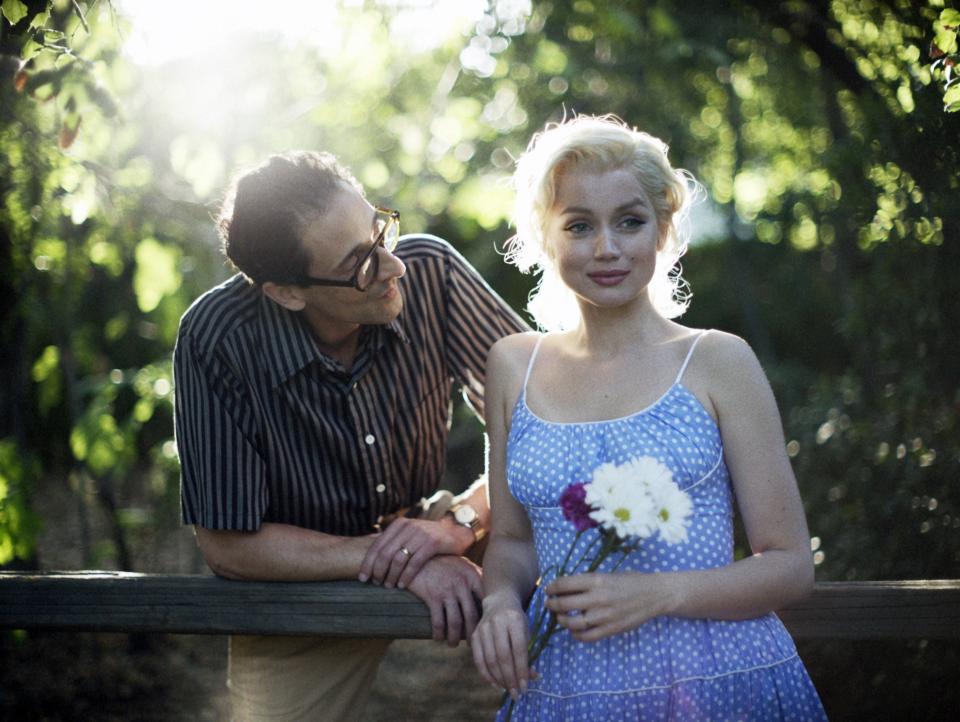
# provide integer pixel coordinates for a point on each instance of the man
(312, 407)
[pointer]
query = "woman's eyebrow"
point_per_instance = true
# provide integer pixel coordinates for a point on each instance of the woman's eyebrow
(633, 203)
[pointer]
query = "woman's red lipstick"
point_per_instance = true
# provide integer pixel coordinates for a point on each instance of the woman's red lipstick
(607, 278)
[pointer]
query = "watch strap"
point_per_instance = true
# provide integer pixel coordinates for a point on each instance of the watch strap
(473, 525)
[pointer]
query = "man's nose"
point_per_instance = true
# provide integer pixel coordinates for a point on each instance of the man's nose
(390, 265)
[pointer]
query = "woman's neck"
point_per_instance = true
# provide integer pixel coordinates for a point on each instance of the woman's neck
(608, 331)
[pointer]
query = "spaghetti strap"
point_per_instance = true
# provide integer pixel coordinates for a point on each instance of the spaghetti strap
(533, 357)
(685, 361)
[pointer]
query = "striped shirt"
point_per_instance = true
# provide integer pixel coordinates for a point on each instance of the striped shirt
(269, 429)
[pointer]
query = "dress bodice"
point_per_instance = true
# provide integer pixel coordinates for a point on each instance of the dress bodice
(544, 457)
(668, 668)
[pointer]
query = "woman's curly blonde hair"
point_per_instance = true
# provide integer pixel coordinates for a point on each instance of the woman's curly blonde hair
(600, 143)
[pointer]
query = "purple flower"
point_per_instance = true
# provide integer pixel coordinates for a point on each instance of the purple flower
(573, 501)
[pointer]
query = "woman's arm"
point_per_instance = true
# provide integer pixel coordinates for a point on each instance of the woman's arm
(779, 570)
(510, 563)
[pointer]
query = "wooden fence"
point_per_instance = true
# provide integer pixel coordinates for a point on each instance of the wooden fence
(124, 602)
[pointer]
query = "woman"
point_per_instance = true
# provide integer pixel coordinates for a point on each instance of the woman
(679, 632)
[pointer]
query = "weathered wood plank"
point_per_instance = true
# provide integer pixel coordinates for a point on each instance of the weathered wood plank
(923, 609)
(120, 602)
(114, 602)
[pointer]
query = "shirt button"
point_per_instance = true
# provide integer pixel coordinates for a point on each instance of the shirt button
(369, 438)
(381, 488)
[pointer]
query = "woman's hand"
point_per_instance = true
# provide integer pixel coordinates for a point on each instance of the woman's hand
(499, 645)
(598, 605)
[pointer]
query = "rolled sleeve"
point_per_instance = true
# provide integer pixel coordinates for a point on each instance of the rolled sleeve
(223, 475)
(476, 319)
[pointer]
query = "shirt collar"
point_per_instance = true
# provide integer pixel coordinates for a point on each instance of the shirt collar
(397, 327)
(289, 346)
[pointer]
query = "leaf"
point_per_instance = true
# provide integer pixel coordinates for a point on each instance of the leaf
(950, 17)
(156, 274)
(946, 39)
(52, 76)
(951, 99)
(39, 20)
(47, 363)
(30, 50)
(68, 133)
(14, 11)
(905, 97)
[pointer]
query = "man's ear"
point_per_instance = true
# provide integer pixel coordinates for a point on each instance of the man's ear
(290, 297)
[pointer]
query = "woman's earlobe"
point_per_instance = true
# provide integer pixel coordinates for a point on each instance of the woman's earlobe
(287, 296)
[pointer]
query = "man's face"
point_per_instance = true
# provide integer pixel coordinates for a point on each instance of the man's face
(336, 243)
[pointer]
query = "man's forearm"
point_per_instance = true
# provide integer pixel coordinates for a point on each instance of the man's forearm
(281, 552)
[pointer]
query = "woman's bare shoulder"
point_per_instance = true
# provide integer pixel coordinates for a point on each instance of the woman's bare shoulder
(506, 368)
(513, 350)
(730, 373)
(725, 352)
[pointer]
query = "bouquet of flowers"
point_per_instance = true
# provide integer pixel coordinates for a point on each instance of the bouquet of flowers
(626, 503)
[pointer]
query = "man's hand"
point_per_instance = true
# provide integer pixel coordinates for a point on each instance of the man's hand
(450, 587)
(401, 551)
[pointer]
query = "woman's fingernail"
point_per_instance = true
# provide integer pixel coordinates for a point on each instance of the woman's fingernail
(363, 577)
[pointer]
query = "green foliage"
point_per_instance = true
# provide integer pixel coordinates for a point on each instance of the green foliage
(817, 128)
(946, 56)
(14, 11)
(18, 471)
(157, 273)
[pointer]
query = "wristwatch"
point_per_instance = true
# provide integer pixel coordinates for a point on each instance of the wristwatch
(466, 515)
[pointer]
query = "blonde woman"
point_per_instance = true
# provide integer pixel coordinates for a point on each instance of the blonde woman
(677, 632)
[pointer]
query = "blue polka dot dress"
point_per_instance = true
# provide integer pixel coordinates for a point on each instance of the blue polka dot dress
(669, 668)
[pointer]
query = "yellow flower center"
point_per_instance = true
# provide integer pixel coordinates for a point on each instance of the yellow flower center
(664, 514)
(623, 514)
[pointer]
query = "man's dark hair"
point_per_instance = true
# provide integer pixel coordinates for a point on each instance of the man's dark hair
(267, 209)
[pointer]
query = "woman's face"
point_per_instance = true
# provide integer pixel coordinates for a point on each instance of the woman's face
(602, 234)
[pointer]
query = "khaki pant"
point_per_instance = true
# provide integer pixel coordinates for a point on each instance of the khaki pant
(311, 679)
(301, 679)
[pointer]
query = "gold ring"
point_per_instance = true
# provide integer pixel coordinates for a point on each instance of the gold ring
(405, 552)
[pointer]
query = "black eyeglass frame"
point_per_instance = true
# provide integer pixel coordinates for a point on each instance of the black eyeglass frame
(393, 218)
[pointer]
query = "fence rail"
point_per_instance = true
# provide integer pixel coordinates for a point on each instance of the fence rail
(125, 602)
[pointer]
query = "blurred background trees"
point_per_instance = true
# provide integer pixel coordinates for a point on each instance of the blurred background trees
(823, 131)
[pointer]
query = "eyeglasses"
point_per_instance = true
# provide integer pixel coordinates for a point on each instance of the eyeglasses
(386, 234)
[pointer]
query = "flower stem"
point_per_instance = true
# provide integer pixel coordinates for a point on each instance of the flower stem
(583, 556)
(573, 545)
